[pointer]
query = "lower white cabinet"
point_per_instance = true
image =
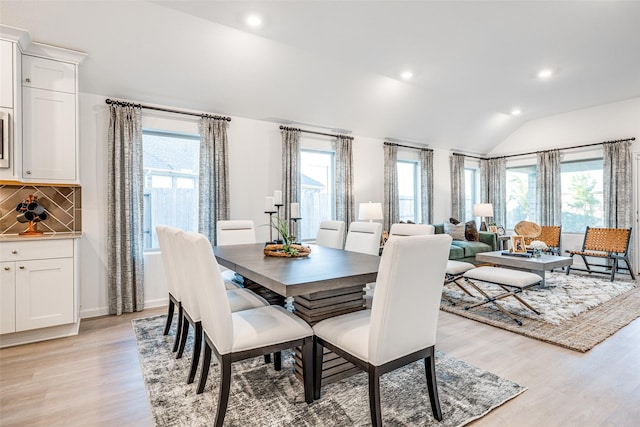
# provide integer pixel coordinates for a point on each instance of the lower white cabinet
(38, 287)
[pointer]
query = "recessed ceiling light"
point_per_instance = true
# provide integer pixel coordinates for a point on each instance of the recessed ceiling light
(545, 74)
(406, 75)
(254, 21)
(515, 112)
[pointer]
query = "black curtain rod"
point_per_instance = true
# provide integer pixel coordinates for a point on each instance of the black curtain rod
(407, 146)
(543, 151)
(168, 110)
(314, 132)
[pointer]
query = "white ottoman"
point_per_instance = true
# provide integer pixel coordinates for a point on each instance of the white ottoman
(513, 282)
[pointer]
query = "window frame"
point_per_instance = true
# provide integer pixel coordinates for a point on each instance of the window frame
(416, 188)
(331, 185)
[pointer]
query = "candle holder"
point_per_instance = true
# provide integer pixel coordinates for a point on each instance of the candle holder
(278, 241)
(294, 229)
(270, 226)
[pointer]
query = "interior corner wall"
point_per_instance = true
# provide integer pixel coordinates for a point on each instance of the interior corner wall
(617, 120)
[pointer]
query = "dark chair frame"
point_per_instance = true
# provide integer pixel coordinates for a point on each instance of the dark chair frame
(173, 302)
(612, 244)
(374, 373)
(226, 360)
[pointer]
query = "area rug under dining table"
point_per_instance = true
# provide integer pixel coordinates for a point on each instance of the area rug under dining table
(260, 396)
(578, 311)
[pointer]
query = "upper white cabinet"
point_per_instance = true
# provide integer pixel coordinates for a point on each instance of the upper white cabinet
(49, 147)
(48, 74)
(6, 74)
(42, 82)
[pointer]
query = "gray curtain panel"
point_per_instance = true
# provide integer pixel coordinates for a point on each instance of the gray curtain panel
(213, 184)
(426, 185)
(617, 183)
(290, 169)
(345, 206)
(390, 201)
(548, 189)
(125, 258)
(493, 187)
(457, 187)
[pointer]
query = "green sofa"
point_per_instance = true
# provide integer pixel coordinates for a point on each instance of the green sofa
(466, 251)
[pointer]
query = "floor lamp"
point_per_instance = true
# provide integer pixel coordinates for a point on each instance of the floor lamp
(483, 210)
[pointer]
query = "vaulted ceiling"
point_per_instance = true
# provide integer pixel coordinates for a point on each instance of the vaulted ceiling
(337, 64)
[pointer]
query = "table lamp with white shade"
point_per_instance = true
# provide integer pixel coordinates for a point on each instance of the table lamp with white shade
(483, 210)
(370, 211)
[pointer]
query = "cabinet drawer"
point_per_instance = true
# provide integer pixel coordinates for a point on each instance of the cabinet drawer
(48, 74)
(41, 249)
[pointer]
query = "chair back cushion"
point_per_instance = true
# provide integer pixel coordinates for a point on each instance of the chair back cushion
(331, 234)
(411, 229)
(364, 237)
(214, 305)
(404, 313)
(183, 273)
(173, 282)
(236, 232)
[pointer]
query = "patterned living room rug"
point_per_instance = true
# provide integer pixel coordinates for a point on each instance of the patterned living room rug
(261, 396)
(578, 311)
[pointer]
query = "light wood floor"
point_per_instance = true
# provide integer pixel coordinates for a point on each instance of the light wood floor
(94, 379)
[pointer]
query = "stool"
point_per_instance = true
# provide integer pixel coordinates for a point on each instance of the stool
(455, 270)
(513, 282)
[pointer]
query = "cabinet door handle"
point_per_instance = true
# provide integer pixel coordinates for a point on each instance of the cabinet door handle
(28, 172)
(14, 252)
(21, 267)
(28, 80)
(7, 269)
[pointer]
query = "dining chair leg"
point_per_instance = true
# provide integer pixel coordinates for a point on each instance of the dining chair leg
(167, 325)
(225, 387)
(432, 384)
(317, 365)
(277, 360)
(176, 340)
(204, 372)
(267, 358)
(374, 396)
(307, 369)
(183, 337)
(197, 347)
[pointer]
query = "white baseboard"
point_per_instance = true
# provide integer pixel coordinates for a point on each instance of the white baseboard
(104, 311)
(42, 334)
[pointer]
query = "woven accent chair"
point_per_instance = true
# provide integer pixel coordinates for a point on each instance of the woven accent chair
(612, 244)
(549, 234)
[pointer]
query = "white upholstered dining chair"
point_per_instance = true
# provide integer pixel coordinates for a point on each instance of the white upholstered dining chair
(331, 234)
(235, 336)
(238, 299)
(235, 232)
(173, 283)
(364, 237)
(401, 326)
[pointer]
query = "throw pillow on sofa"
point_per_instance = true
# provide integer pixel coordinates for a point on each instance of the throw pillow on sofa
(456, 231)
(470, 230)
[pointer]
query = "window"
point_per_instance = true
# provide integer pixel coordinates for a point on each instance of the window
(471, 190)
(521, 195)
(408, 191)
(170, 182)
(317, 198)
(582, 198)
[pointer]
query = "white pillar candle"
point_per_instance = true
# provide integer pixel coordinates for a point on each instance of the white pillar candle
(295, 210)
(277, 197)
(268, 205)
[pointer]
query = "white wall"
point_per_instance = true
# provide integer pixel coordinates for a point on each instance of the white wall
(607, 122)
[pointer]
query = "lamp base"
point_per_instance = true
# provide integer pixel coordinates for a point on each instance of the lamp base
(483, 226)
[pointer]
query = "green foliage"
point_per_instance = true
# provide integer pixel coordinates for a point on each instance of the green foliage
(583, 198)
(282, 227)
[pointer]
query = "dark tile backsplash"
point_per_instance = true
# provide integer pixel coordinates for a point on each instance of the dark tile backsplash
(62, 204)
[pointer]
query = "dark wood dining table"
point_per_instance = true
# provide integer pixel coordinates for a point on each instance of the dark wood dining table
(327, 283)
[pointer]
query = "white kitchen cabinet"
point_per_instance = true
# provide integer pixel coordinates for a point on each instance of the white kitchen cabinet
(48, 135)
(38, 288)
(48, 74)
(6, 74)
